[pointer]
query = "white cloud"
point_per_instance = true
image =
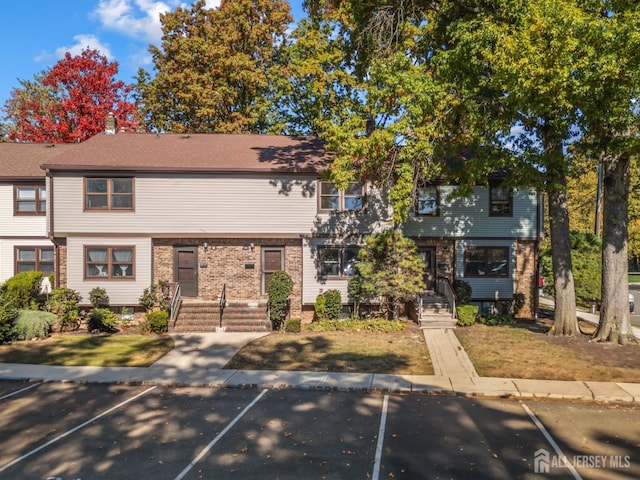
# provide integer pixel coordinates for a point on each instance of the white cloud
(82, 43)
(138, 18)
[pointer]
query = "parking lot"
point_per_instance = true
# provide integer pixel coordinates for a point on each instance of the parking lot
(71, 431)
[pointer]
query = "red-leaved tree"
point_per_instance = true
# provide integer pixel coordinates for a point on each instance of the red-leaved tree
(70, 102)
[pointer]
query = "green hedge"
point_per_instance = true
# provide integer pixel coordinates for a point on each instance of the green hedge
(370, 325)
(466, 315)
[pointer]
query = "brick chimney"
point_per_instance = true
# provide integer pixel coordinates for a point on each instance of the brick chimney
(110, 124)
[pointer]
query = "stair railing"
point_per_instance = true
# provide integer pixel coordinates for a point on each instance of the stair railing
(175, 303)
(223, 301)
(450, 293)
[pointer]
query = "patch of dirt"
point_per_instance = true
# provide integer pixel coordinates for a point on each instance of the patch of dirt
(598, 353)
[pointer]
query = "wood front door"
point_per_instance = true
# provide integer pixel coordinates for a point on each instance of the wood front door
(272, 261)
(186, 270)
(428, 256)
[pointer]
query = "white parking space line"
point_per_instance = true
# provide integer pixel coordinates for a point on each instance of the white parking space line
(551, 441)
(383, 422)
(75, 429)
(217, 438)
(20, 391)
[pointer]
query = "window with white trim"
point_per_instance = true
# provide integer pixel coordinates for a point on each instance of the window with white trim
(428, 200)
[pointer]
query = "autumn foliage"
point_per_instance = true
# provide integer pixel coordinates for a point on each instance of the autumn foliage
(69, 102)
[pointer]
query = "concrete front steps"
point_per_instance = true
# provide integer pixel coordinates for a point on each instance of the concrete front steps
(435, 312)
(199, 316)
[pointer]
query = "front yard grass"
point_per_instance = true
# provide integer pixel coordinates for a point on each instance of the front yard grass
(526, 351)
(89, 350)
(401, 353)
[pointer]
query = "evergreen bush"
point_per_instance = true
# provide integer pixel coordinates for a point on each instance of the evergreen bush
(293, 325)
(320, 308)
(30, 324)
(8, 315)
(64, 302)
(98, 297)
(102, 320)
(334, 304)
(466, 314)
(23, 290)
(279, 288)
(463, 291)
(156, 321)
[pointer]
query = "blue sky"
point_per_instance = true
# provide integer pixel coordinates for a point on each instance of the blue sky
(34, 35)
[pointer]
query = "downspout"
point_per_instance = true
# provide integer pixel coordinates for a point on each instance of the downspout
(50, 232)
(539, 213)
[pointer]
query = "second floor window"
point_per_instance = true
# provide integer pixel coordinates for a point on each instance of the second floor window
(109, 262)
(108, 194)
(34, 259)
(338, 261)
(332, 199)
(428, 201)
(30, 200)
(500, 201)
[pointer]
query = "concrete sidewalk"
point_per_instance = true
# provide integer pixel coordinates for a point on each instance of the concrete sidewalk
(198, 360)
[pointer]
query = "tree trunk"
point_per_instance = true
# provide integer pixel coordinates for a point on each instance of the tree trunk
(565, 319)
(615, 317)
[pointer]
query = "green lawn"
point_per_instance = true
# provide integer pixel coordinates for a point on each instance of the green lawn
(634, 277)
(89, 350)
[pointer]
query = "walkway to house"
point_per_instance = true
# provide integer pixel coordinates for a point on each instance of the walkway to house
(198, 360)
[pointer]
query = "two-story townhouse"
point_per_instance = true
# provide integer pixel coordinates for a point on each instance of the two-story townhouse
(214, 212)
(24, 244)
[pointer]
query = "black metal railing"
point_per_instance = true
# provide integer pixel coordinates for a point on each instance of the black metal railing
(223, 301)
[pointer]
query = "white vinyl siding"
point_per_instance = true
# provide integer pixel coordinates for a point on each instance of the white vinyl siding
(7, 253)
(190, 205)
(120, 291)
(469, 217)
(18, 225)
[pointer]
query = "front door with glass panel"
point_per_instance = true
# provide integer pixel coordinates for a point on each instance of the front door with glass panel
(186, 270)
(272, 261)
(428, 256)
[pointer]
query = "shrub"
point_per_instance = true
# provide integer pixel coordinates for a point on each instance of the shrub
(98, 296)
(156, 297)
(8, 315)
(357, 293)
(320, 308)
(493, 319)
(519, 300)
(64, 302)
(30, 324)
(463, 291)
(378, 325)
(102, 320)
(333, 304)
(23, 290)
(279, 288)
(466, 314)
(293, 325)
(156, 322)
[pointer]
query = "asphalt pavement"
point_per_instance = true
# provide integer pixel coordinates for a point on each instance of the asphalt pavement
(198, 360)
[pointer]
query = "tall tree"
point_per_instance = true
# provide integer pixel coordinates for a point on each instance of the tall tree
(611, 114)
(445, 82)
(213, 68)
(69, 102)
